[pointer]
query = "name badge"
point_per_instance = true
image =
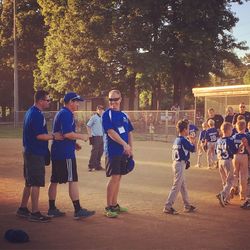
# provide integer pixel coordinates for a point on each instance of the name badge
(121, 130)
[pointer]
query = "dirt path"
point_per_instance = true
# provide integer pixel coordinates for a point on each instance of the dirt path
(143, 191)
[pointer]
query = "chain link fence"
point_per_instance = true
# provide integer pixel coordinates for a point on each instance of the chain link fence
(149, 125)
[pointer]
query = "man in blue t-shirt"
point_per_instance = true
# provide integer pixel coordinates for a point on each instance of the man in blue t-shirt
(117, 147)
(35, 153)
(64, 168)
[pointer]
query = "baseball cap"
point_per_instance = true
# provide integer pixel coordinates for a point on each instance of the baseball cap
(16, 236)
(130, 164)
(72, 96)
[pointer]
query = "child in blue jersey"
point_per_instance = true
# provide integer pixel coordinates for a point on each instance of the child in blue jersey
(239, 118)
(225, 149)
(246, 204)
(240, 161)
(210, 140)
(201, 142)
(180, 153)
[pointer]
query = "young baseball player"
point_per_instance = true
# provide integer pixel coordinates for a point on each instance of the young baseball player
(200, 144)
(210, 140)
(239, 118)
(240, 161)
(225, 149)
(246, 204)
(180, 152)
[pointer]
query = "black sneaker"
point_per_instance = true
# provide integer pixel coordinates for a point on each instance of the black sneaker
(55, 213)
(83, 213)
(91, 169)
(38, 217)
(23, 212)
(170, 211)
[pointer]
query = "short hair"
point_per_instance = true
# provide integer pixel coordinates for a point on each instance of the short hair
(115, 91)
(181, 125)
(226, 126)
(241, 117)
(40, 95)
(210, 109)
(210, 122)
(99, 107)
(204, 124)
(240, 125)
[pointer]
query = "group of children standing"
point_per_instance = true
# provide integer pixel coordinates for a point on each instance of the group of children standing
(227, 149)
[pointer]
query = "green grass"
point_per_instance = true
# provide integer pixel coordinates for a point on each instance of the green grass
(8, 131)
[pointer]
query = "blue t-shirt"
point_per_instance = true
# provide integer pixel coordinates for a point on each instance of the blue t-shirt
(181, 149)
(202, 135)
(64, 123)
(193, 130)
(237, 141)
(119, 122)
(225, 148)
(211, 135)
(34, 124)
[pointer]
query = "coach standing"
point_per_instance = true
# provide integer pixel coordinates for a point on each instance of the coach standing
(242, 111)
(95, 132)
(35, 144)
(117, 146)
(64, 168)
(218, 119)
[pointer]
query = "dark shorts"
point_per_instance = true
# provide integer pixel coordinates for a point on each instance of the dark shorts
(64, 171)
(116, 165)
(34, 170)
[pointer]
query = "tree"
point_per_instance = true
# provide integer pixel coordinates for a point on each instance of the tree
(28, 21)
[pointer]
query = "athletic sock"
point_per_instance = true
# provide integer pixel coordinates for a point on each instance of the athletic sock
(76, 205)
(52, 205)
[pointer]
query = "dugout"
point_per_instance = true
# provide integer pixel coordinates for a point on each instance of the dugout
(220, 98)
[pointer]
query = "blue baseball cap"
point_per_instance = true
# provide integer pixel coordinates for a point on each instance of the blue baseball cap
(130, 164)
(16, 236)
(72, 96)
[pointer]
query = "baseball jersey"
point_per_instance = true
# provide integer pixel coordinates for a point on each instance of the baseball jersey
(63, 123)
(225, 148)
(202, 135)
(119, 122)
(211, 135)
(218, 120)
(237, 141)
(34, 124)
(192, 130)
(95, 123)
(181, 149)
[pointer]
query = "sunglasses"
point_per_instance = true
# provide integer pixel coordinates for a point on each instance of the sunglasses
(47, 100)
(114, 99)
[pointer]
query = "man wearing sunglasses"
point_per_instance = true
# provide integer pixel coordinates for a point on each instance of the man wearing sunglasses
(242, 111)
(64, 168)
(118, 147)
(35, 144)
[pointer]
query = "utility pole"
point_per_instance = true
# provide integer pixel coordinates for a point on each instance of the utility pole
(16, 101)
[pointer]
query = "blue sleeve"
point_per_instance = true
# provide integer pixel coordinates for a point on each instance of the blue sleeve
(106, 122)
(130, 127)
(37, 124)
(232, 147)
(66, 123)
(206, 136)
(188, 146)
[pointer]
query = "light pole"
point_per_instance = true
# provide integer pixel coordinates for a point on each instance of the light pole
(16, 101)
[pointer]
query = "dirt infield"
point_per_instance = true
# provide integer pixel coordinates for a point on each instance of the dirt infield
(143, 191)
